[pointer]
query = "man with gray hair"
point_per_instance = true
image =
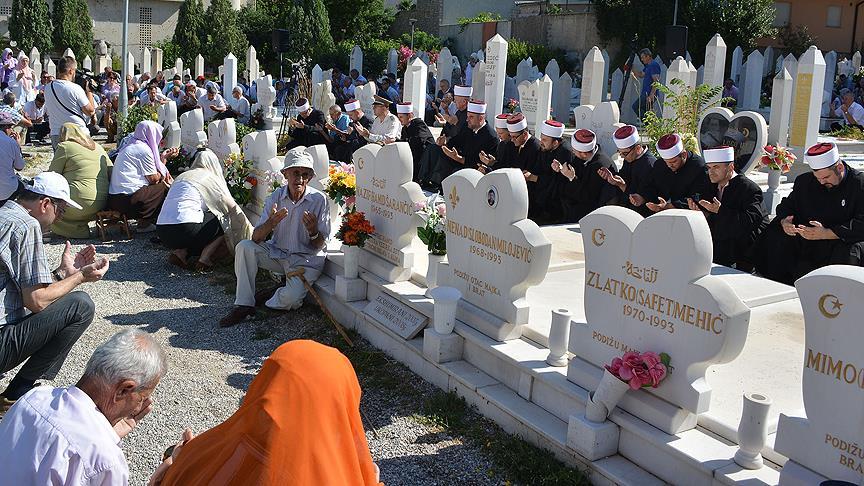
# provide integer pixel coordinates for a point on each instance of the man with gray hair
(848, 109)
(71, 435)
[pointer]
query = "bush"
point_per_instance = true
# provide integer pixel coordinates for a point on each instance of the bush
(796, 40)
(539, 53)
(30, 25)
(422, 41)
(189, 31)
(170, 53)
(72, 27)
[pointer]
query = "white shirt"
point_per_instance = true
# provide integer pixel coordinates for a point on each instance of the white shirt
(73, 97)
(183, 204)
(133, 163)
(205, 103)
(57, 436)
(145, 99)
(11, 161)
(388, 128)
(32, 111)
(241, 106)
(857, 112)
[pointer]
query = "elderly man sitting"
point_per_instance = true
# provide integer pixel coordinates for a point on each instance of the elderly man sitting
(297, 220)
(71, 436)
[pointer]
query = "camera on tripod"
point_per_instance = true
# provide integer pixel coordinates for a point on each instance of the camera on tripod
(86, 80)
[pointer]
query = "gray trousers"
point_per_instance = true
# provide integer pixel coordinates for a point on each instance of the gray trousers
(45, 337)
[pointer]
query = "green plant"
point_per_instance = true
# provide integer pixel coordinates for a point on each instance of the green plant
(406, 6)
(852, 133)
(170, 53)
(541, 54)
(223, 35)
(30, 25)
(554, 9)
(308, 22)
(423, 41)
(689, 105)
(796, 39)
(359, 21)
(257, 26)
(136, 114)
(479, 18)
(189, 31)
(73, 28)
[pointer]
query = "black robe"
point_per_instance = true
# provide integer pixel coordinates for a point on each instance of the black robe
(451, 131)
(841, 209)
(524, 156)
(419, 138)
(544, 203)
(469, 144)
(735, 227)
(690, 181)
(636, 175)
(309, 134)
(504, 155)
(588, 191)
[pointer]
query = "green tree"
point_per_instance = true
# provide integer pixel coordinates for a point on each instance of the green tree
(308, 22)
(796, 40)
(72, 27)
(223, 34)
(257, 26)
(30, 25)
(739, 22)
(358, 21)
(189, 32)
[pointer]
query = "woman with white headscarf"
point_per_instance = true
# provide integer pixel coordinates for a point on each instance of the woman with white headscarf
(140, 179)
(199, 218)
(239, 105)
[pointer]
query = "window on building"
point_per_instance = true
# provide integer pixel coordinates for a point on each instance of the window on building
(145, 26)
(834, 12)
(5, 10)
(781, 18)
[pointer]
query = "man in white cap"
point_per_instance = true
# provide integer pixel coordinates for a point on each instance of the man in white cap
(416, 133)
(42, 317)
(296, 219)
(305, 128)
(453, 124)
(582, 188)
(682, 175)
(463, 150)
(385, 126)
(821, 222)
(544, 182)
(353, 140)
(733, 210)
(504, 152)
(636, 169)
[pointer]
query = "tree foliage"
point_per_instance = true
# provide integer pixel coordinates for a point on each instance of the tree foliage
(30, 25)
(189, 32)
(222, 34)
(72, 27)
(796, 40)
(358, 21)
(690, 104)
(740, 22)
(308, 22)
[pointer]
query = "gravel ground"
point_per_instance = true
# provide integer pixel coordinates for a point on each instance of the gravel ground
(210, 368)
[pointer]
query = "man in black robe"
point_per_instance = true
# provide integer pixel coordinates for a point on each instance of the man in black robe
(305, 129)
(504, 153)
(581, 187)
(416, 133)
(453, 124)
(544, 182)
(635, 171)
(353, 140)
(733, 211)
(821, 222)
(682, 175)
(463, 150)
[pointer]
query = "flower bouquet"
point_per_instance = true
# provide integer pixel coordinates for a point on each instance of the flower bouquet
(240, 177)
(512, 105)
(632, 371)
(353, 232)
(342, 185)
(433, 212)
(179, 163)
(777, 158)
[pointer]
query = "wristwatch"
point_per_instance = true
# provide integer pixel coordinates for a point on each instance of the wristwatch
(315, 236)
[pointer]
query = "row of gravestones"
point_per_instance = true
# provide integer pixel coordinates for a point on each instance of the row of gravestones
(495, 254)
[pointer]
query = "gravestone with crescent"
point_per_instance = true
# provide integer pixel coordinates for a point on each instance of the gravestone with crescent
(745, 131)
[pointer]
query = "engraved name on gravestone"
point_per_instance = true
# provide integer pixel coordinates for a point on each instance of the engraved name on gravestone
(828, 438)
(387, 195)
(495, 253)
(645, 296)
(745, 131)
(396, 316)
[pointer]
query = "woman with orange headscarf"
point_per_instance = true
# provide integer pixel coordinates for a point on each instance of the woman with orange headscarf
(298, 425)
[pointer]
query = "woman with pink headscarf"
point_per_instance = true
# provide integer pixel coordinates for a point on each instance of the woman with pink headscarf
(7, 67)
(25, 79)
(140, 179)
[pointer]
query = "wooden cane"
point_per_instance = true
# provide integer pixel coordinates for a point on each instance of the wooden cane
(300, 274)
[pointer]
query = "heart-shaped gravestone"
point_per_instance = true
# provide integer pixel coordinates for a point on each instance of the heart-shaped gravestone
(222, 138)
(745, 131)
(365, 94)
(168, 119)
(602, 120)
(387, 196)
(495, 253)
(646, 291)
(828, 438)
(260, 148)
(528, 99)
(192, 130)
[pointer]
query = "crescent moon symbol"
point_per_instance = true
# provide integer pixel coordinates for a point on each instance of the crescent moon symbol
(598, 237)
(836, 305)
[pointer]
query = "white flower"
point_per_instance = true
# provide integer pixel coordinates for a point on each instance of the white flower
(247, 185)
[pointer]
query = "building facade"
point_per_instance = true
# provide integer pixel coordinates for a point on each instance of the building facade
(836, 25)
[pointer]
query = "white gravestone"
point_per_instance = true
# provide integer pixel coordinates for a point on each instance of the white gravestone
(51, 68)
(602, 120)
(807, 100)
(561, 98)
(387, 195)
(101, 63)
(169, 73)
(168, 119)
(36, 65)
(541, 92)
(700, 75)
(753, 89)
(634, 86)
(130, 62)
(617, 84)
(356, 61)
(396, 316)
(856, 61)
(260, 148)
(677, 70)
(365, 95)
(322, 95)
(606, 67)
(828, 87)
(146, 61)
(750, 125)
(647, 292)
(778, 64)
(392, 61)
(768, 56)
(321, 166)
(230, 79)
(781, 109)
(266, 95)
(252, 62)
(552, 70)
(199, 65)
(478, 81)
(192, 129)
(495, 253)
(414, 87)
(156, 57)
(737, 61)
(222, 138)
(828, 438)
(592, 77)
(691, 82)
(496, 72)
(791, 65)
(68, 53)
(178, 66)
(34, 55)
(523, 71)
(317, 74)
(510, 91)
(87, 63)
(445, 65)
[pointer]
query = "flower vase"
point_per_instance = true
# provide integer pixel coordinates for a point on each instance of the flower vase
(432, 272)
(752, 431)
(351, 261)
(604, 399)
(773, 180)
(771, 198)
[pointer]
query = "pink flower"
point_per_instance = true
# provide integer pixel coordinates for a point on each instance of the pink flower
(442, 210)
(420, 205)
(615, 367)
(350, 200)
